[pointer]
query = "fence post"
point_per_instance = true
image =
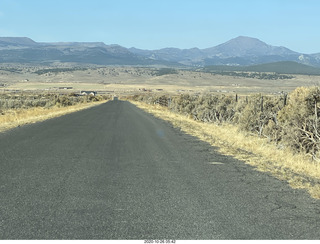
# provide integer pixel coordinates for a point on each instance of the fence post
(261, 104)
(236, 98)
(316, 114)
(285, 99)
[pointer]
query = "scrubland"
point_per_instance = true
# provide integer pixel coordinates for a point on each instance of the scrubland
(277, 134)
(16, 110)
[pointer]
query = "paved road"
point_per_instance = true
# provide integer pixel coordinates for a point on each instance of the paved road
(115, 172)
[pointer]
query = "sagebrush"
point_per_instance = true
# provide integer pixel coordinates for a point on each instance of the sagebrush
(25, 101)
(290, 120)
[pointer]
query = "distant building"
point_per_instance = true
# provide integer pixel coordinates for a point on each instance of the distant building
(87, 93)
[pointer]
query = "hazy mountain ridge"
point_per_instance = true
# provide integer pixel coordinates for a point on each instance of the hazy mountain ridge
(24, 50)
(15, 42)
(239, 51)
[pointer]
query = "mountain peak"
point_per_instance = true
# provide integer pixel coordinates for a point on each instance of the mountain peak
(246, 39)
(243, 45)
(246, 42)
(246, 46)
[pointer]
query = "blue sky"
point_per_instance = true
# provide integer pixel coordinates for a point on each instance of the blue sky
(151, 24)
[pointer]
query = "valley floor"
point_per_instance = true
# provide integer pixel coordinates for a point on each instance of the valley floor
(130, 80)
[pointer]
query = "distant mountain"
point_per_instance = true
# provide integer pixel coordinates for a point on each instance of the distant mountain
(14, 42)
(240, 51)
(248, 51)
(183, 56)
(247, 47)
(25, 50)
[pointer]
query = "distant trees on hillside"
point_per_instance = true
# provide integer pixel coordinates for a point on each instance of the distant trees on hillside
(256, 75)
(58, 70)
(165, 71)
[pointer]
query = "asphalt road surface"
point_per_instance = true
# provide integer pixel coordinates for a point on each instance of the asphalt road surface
(116, 172)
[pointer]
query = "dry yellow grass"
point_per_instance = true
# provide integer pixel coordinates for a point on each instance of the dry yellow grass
(17, 117)
(298, 170)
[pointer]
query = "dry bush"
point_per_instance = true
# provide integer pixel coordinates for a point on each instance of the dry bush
(258, 114)
(212, 108)
(26, 101)
(184, 104)
(299, 121)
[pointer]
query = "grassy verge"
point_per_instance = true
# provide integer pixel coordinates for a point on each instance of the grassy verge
(297, 169)
(17, 117)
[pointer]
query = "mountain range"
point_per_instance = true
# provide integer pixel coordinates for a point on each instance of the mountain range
(240, 51)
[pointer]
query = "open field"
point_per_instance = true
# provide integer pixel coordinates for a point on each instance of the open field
(129, 80)
(125, 81)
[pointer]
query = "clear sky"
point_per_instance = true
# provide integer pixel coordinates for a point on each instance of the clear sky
(155, 24)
